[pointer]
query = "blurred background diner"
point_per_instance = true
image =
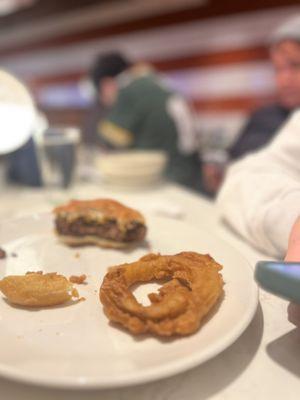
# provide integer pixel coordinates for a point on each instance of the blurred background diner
(136, 92)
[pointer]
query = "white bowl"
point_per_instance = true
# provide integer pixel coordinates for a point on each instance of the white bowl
(136, 167)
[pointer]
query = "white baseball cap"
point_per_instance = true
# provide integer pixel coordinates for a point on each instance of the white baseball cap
(289, 30)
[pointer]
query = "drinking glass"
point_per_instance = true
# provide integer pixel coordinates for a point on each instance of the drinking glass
(57, 154)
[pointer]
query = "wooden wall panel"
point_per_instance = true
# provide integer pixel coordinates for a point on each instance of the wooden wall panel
(212, 8)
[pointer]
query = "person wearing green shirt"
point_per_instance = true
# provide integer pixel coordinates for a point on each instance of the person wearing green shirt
(146, 114)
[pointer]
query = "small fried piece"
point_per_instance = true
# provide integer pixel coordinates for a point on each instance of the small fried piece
(36, 289)
(193, 288)
(77, 279)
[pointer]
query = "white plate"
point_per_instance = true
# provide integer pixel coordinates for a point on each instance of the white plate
(75, 346)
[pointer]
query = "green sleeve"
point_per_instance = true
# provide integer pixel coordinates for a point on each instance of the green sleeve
(119, 127)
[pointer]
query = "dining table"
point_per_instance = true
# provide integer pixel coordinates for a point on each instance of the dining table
(263, 363)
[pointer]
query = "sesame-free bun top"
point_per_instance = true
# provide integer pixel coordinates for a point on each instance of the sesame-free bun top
(101, 209)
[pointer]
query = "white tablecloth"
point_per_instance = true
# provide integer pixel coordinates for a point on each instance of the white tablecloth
(264, 363)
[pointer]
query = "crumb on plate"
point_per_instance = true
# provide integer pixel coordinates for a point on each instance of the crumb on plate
(77, 279)
(2, 254)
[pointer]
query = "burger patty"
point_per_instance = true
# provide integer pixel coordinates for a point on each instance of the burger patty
(108, 230)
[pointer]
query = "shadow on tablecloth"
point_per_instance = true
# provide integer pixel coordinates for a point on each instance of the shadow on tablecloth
(286, 351)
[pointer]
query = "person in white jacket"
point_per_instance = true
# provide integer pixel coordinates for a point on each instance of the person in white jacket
(260, 197)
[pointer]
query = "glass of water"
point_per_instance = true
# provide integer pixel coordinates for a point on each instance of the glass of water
(57, 153)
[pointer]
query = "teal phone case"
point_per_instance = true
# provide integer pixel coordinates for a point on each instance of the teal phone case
(280, 278)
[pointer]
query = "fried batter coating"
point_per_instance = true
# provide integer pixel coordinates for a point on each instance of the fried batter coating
(194, 287)
(36, 289)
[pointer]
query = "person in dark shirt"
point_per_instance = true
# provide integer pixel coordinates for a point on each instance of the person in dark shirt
(265, 122)
(23, 165)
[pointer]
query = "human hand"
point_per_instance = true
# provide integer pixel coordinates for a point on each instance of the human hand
(293, 254)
